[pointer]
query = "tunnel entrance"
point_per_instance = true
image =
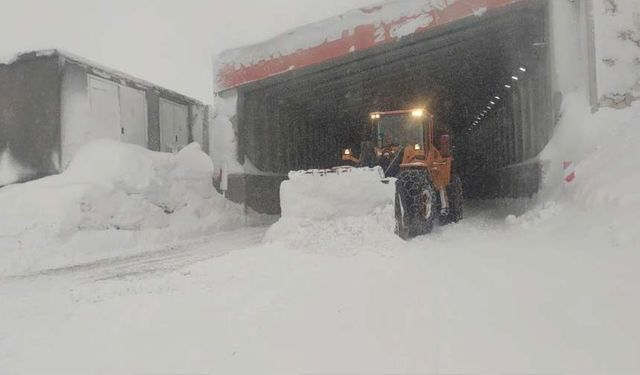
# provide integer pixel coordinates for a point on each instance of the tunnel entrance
(485, 78)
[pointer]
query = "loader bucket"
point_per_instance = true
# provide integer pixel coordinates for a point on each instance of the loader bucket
(333, 193)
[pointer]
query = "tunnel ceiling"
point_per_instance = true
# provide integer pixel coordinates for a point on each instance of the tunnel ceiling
(453, 71)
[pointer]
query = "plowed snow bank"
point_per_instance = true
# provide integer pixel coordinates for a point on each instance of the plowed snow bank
(112, 195)
(351, 208)
(326, 196)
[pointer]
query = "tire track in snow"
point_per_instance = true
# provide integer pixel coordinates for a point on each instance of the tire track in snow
(166, 259)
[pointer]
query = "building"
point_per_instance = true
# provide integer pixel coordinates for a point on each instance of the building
(52, 103)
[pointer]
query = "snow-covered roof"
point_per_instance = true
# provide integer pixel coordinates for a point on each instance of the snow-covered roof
(99, 70)
(356, 30)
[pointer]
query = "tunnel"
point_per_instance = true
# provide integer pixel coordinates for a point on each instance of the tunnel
(486, 79)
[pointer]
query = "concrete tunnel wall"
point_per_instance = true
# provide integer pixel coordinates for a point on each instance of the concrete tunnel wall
(29, 119)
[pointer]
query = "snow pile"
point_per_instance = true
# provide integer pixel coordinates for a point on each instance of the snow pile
(581, 135)
(617, 24)
(609, 179)
(316, 195)
(351, 206)
(118, 189)
(223, 139)
(605, 195)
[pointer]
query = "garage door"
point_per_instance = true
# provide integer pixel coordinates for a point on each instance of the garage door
(117, 112)
(105, 109)
(174, 132)
(133, 116)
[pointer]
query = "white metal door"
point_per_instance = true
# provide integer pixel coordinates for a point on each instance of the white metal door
(167, 133)
(105, 109)
(133, 116)
(181, 121)
(173, 126)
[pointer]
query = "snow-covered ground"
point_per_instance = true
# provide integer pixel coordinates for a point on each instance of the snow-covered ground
(553, 290)
(114, 199)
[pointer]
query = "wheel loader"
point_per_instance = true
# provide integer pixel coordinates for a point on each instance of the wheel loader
(403, 144)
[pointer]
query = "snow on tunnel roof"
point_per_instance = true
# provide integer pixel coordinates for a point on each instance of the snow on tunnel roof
(338, 36)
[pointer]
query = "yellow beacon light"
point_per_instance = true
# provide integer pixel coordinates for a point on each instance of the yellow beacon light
(417, 113)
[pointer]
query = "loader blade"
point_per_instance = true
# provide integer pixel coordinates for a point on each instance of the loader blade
(339, 192)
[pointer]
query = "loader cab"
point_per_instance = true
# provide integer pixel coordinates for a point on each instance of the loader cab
(395, 130)
(393, 138)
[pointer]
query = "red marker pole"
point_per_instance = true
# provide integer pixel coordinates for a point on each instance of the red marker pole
(569, 172)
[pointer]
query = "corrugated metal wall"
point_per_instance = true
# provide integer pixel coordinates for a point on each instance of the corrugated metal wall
(30, 114)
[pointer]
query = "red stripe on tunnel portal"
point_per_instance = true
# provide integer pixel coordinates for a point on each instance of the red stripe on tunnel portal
(363, 37)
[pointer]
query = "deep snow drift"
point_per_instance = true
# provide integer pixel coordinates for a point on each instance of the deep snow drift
(112, 196)
(552, 291)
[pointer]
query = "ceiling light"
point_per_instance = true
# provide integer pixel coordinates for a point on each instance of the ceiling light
(514, 78)
(523, 69)
(507, 86)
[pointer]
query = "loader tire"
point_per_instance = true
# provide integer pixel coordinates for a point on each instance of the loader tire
(415, 204)
(456, 202)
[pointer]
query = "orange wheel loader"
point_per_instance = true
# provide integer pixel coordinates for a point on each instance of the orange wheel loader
(402, 143)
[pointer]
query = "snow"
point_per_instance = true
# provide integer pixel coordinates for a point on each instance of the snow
(320, 195)
(8, 58)
(334, 28)
(410, 26)
(316, 204)
(617, 30)
(112, 190)
(223, 138)
(553, 290)
(480, 12)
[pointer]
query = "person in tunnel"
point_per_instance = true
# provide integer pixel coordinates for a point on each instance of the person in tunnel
(390, 136)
